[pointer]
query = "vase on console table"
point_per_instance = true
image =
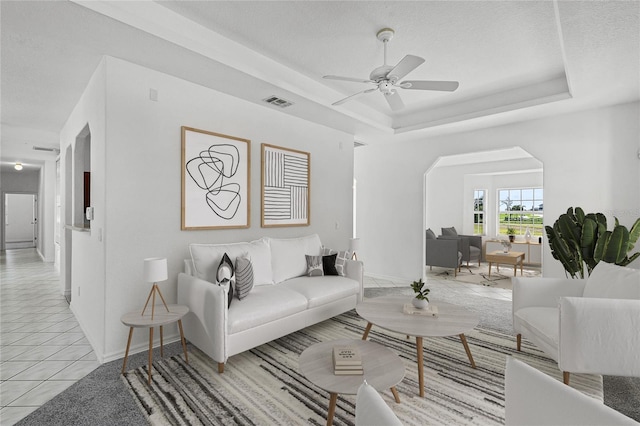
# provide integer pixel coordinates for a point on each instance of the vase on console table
(527, 235)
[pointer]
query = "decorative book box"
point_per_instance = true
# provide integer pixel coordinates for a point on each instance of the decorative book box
(347, 360)
(431, 310)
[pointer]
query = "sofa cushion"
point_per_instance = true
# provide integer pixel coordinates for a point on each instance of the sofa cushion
(320, 291)
(430, 235)
(611, 281)
(314, 266)
(206, 258)
(264, 304)
(543, 322)
(288, 255)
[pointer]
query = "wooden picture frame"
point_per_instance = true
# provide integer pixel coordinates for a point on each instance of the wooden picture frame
(286, 187)
(215, 176)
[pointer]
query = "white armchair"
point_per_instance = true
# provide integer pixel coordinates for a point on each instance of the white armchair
(586, 325)
(533, 398)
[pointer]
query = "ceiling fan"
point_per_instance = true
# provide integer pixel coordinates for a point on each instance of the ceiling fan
(386, 77)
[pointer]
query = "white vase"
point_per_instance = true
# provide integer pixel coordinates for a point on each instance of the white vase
(527, 235)
(419, 303)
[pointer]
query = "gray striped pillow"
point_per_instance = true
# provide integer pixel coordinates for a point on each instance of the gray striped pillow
(244, 276)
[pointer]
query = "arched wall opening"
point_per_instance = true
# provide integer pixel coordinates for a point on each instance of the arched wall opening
(450, 182)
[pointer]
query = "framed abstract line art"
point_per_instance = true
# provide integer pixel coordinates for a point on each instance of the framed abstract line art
(215, 180)
(286, 178)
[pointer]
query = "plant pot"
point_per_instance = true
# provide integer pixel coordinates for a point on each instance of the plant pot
(512, 238)
(420, 303)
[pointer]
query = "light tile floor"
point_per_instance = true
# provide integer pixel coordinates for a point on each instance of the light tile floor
(42, 348)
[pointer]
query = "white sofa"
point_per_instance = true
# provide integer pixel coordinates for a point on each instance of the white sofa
(533, 398)
(283, 299)
(586, 325)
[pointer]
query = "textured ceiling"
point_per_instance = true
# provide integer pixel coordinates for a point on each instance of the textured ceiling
(514, 59)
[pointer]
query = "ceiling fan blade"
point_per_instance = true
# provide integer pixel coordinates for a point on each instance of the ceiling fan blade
(337, 77)
(341, 101)
(394, 100)
(404, 67)
(445, 86)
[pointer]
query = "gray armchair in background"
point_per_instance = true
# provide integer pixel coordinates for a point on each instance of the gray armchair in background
(470, 247)
(443, 252)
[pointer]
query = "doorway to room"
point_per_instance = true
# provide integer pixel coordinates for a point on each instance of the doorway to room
(20, 220)
(451, 185)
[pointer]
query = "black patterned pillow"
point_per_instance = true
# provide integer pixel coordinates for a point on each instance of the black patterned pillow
(329, 264)
(226, 275)
(314, 266)
(244, 276)
(341, 259)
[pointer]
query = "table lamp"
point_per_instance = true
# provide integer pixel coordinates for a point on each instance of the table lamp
(155, 269)
(354, 244)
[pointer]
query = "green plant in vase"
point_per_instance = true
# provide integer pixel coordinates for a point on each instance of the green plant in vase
(511, 232)
(421, 299)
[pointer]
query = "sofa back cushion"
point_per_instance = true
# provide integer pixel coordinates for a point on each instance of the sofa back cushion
(288, 255)
(206, 258)
(611, 281)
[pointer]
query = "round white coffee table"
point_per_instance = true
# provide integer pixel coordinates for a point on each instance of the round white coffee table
(387, 312)
(383, 369)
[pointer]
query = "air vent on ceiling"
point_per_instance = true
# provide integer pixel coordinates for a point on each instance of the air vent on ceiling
(356, 144)
(43, 148)
(279, 102)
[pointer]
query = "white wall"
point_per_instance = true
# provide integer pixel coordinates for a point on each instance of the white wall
(87, 250)
(590, 159)
(139, 161)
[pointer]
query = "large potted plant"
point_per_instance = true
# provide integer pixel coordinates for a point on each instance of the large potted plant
(578, 240)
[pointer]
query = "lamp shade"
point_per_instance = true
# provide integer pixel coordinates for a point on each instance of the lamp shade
(155, 269)
(354, 244)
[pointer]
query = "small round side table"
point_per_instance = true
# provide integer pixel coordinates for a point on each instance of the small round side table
(160, 318)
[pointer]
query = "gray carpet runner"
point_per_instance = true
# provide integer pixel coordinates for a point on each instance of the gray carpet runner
(264, 387)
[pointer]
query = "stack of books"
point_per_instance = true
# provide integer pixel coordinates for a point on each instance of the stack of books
(347, 361)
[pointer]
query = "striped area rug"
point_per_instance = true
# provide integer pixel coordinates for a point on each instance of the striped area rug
(264, 387)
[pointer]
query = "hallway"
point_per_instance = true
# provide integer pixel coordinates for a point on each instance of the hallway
(42, 348)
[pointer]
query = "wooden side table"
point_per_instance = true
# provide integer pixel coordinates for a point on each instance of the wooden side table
(160, 319)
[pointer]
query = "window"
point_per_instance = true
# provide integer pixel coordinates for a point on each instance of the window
(521, 209)
(478, 212)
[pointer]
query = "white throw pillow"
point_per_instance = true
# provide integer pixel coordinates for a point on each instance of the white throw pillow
(608, 280)
(288, 256)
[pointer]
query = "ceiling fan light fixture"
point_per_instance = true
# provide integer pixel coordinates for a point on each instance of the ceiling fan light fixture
(386, 77)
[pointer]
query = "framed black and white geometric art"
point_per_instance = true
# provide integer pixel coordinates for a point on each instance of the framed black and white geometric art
(215, 180)
(286, 178)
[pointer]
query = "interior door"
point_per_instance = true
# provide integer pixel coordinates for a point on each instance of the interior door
(20, 221)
